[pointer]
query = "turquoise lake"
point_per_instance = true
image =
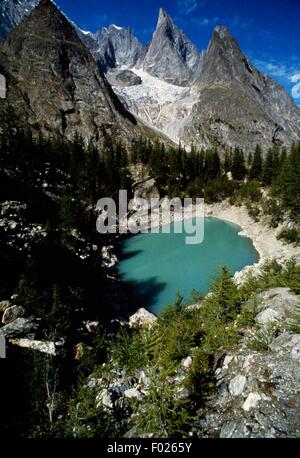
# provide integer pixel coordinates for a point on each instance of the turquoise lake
(156, 266)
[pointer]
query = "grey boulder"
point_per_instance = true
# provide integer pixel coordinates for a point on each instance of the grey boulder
(12, 313)
(19, 327)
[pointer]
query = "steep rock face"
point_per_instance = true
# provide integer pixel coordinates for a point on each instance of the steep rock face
(171, 56)
(54, 82)
(126, 47)
(12, 12)
(104, 54)
(236, 105)
(88, 38)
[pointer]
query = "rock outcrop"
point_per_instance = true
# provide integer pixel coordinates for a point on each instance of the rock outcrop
(4, 305)
(142, 318)
(126, 47)
(145, 190)
(49, 348)
(275, 306)
(19, 327)
(12, 313)
(258, 390)
(171, 56)
(118, 390)
(109, 259)
(126, 78)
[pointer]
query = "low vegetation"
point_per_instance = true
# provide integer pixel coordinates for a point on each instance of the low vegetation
(290, 236)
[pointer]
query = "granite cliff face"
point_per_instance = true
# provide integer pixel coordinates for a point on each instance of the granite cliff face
(171, 56)
(12, 12)
(127, 48)
(55, 84)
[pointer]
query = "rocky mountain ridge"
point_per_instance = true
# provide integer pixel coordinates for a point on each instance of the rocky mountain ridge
(237, 105)
(55, 85)
(127, 48)
(211, 98)
(227, 103)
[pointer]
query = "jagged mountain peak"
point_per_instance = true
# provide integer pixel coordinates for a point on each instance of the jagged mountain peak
(48, 20)
(166, 24)
(162, 16)
(127, 49)
(48, 7)
(239, 106)
(49, 10)
(111, 29)
(224, 61)
(222, 37)
(222, 30)
(117, 27)
(171, 56)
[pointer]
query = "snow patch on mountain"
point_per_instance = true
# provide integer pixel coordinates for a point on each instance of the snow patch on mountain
(86, 32)
(117, 27)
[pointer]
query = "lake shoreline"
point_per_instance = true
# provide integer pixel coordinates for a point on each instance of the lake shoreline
(262, 236)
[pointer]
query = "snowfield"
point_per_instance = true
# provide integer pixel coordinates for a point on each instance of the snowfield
(163, 105)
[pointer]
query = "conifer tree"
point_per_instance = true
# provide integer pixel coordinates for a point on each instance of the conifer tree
(256, 166)
(225, 292)
(267, 175)
(289, 182)
(238, 165)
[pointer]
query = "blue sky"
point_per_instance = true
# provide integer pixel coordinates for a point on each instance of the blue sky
(268, 31)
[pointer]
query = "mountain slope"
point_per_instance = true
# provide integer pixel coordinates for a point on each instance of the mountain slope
(54, 83)
(170, 55)
(236, 105)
